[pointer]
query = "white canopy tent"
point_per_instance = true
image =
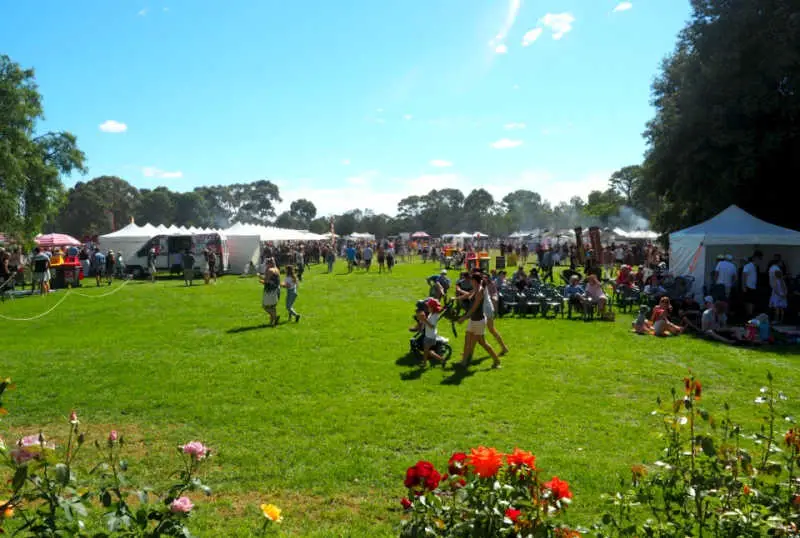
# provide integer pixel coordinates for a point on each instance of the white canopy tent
(361, 236)
(735, 232)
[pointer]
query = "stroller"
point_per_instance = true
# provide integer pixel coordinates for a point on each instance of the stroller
(442, 347)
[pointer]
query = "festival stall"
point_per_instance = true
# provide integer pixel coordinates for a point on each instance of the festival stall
(65, 270)
(735, 232)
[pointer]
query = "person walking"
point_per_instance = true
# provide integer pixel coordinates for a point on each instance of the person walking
(272, 291)
(212, 265)
(477, 325)
(778, 301)
(490, 300)
(290, 283)
(99, 265)
(390, 258)
(367, 254)
(151, 264)
(381, 258)
(111, 263)
(188, 267)
(330, 258)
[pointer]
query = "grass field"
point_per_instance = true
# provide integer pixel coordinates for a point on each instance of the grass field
(323, 417)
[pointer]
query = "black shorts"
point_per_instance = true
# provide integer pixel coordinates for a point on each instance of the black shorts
(749, 296)
(367, 263)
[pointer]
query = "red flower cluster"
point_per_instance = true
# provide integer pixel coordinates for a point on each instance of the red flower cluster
(693, 386)
(406, 503)
(559, 488)
(422, 477)
(485, 462)
(792, 439)
(518, 458)
(457, 465)
(513, 514)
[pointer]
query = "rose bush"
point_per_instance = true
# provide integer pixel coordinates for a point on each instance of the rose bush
(48, 497)
(713, 479)
(485, 493)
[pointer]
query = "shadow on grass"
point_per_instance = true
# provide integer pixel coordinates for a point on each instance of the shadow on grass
(239, 330)
(460, 373)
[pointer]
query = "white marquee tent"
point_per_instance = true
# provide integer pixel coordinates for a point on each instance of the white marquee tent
(693, 251)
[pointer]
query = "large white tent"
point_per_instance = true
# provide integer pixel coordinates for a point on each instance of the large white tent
(693, 251)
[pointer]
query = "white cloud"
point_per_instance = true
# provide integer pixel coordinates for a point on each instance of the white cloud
(506, 143)
(559, 23)
(111, 126)
(346, 162)
(531, 36)
(511, 16)
(142, 12)
(515, 87)
(151, 171)
(440, 163)
(407, 117)
(623, 6)
(512, 126)
(427, 182)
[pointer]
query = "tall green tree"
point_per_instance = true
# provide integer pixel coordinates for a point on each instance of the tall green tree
(191, 209)
(727, 108)
(626, 181)
(157, 206)
(98, 206)
(304, 211)
(254, 203)
(477, 207)
(31, 165)
(604, 205)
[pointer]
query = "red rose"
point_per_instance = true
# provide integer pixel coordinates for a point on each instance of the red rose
(457, 463)
(513, 514)
(518, 458)
(559, 487)
(422, 475)
(406, 503)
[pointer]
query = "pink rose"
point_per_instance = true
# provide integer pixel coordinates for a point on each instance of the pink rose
(113, 436)
(181, 505)
(73, 417)
(196, 450)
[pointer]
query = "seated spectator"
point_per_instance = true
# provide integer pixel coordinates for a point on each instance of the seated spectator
(520, 279)
(595, 293)
(622, 277)
(715, 321)
(574, 288)
(662, 326)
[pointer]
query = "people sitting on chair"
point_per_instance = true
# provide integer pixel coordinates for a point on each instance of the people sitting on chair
(595, 294)
(520, 279)
(574, 291)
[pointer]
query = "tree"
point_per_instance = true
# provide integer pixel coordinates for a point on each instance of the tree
(727, 108)
(254, 203)
(157, 206)
(288, 220)
(98, 206)
(604, 205)
(476, 207)
(304, 211)
(191, 209)
(30, 166)
(626, 181)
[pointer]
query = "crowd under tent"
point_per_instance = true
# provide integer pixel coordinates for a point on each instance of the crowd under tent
(693, 251)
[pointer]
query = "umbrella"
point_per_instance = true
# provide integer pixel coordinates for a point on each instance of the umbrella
(419, 235)
(56, 240)
(479, 235)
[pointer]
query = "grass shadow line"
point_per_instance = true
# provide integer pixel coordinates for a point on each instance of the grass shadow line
(245, 329)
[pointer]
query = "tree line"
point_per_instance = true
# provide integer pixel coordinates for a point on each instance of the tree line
(725, 131)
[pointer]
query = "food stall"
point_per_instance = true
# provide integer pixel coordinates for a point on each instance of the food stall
(65, 271)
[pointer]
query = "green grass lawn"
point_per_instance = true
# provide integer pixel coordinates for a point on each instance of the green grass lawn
(323, 417)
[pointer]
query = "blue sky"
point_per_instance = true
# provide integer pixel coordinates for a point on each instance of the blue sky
(349, 103)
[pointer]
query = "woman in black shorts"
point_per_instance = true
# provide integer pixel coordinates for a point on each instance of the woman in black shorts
(381, 258)
(477, 324)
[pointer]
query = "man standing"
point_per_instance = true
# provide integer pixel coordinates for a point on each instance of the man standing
(151, 264)
(350, 252)
(188, 268)
(41, 271)
(111, 263)
(726, 274)
(367, 254)
(750, 282)
(99, 265)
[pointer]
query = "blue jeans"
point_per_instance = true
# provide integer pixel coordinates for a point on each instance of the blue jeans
(291, 297)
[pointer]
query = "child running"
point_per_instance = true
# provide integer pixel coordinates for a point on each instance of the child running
(272, 290)
(290, 283)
